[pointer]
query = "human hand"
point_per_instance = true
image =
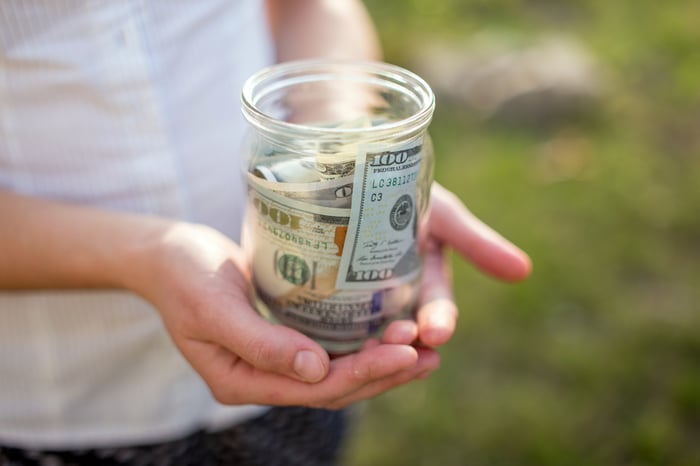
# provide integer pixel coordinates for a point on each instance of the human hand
(197, 279)
(452, 225)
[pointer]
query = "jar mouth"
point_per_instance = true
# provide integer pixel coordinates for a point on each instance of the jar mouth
(395, 101)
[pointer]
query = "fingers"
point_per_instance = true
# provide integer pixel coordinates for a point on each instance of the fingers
(400, 332)
(276, 348)
(452, 224)
(437, 312)
(266, 370)
(428, 361)
(246, 359)
(436, 317)
(351, 378)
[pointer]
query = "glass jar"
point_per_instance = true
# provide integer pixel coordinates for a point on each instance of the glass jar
(339, 165)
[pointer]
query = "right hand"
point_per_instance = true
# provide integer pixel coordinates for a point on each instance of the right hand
(197, 279)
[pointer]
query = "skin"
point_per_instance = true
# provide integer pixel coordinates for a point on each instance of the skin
(197, 278)
(322, 28)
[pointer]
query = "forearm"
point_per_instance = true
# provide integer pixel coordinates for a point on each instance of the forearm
(322, 28)
(47, 244)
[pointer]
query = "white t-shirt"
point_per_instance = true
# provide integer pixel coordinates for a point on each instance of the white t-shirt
(130, 105)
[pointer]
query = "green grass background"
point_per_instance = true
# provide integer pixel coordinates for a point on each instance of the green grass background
(595, 359)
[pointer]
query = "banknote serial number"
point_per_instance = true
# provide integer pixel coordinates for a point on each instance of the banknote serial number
(393, 181)
(390, 182)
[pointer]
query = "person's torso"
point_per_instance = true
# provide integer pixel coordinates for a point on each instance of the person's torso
(124, 105)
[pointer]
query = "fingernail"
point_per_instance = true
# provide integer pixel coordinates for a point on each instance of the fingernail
(439, 320)
(308, 366)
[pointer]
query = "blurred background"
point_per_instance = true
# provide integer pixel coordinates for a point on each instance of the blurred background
(573, 128)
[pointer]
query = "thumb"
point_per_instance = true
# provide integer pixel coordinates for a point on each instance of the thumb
(270, 347)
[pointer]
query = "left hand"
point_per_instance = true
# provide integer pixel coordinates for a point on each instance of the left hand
(451, 224)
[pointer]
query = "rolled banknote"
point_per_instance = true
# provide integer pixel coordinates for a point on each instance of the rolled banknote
(288, 169)
(334, 193)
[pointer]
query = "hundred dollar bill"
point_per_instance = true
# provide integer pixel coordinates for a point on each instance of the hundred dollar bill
(380, 248)
(298, 244)
(287, 168)
(334, 193)
(295, 262)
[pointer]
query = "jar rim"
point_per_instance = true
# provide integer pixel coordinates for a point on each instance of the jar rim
(289, 72)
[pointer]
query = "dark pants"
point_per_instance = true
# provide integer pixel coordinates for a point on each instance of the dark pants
(280, 437)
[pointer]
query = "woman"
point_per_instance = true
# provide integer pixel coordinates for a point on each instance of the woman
(126, 335)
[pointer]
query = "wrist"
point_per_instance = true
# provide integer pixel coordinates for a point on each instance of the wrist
(172, 262)
(138, 264)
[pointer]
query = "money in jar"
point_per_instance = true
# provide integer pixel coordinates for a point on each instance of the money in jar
(338, 163)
